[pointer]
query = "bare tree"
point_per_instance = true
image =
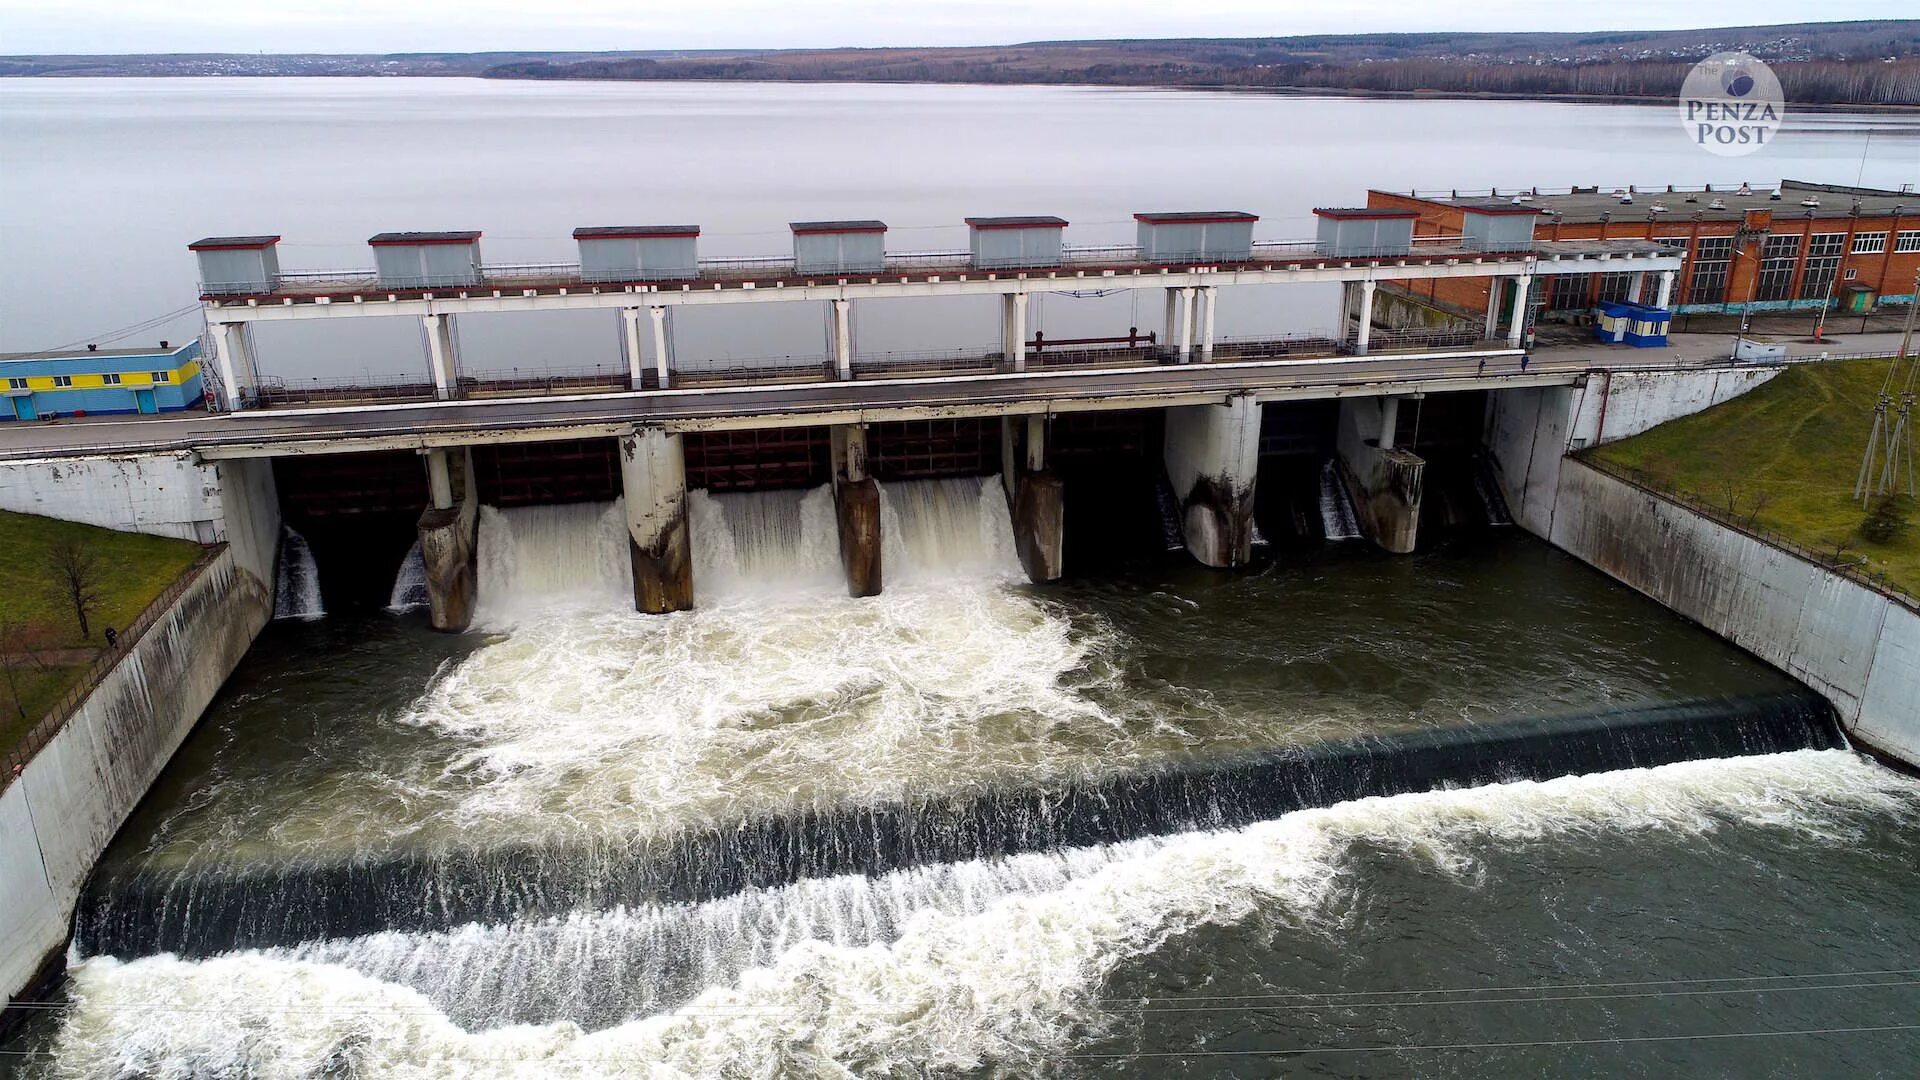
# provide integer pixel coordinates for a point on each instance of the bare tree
(16, 657)
(76, 569)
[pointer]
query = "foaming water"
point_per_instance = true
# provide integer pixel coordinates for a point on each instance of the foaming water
(542, 558)
(945, 530)
(1012, 983)
(751, 544)
(409, 582)
(296, 591)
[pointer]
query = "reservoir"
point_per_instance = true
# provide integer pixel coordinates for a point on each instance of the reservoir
(1477, 810)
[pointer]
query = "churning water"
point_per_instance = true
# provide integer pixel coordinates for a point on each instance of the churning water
(296, 592)
(792, 833)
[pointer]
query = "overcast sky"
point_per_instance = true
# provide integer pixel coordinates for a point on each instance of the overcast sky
(58, 26)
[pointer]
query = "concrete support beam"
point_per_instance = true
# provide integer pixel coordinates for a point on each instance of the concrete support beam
(228, 345)
(842, 334)
(1517, 332)
(1383, 481)
(662, 345)
(856, 502)
(1364, 335)
(1212, 456)
(1665, 295)
(1013, 324)
(1035, 497)
(630, 346)
(1036, 442)
(1493, 309)
(653, 478)
(448, 539)
(1208, 296)
(1186, 325)
(1170, 331)
(442, 357)
(1637, 286)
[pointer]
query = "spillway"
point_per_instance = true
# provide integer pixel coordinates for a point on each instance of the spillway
(296, 592)
(666, 841)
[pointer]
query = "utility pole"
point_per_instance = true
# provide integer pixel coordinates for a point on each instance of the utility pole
(1899, 439)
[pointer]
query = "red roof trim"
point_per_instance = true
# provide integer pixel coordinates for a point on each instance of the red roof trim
(1224, 217)
(249, 244)
(621, 232)
(1362, 212)
(415, 240)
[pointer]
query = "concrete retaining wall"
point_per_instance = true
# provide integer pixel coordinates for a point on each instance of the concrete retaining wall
(1855, 645)
(1616, 405)
(233, 502)
(60, 813)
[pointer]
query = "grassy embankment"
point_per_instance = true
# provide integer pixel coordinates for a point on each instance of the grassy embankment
(1784, 459)
(40, 643)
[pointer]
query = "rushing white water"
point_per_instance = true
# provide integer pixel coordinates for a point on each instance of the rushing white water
(409, 582)
(947, 530)
(296, 592)
(1336, 513)
(753, 545)
(546, 558)
(962, 986)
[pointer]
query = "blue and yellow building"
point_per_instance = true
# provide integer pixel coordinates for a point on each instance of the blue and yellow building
(91, 382)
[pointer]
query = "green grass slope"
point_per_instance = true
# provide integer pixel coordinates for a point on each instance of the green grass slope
(1784, 459)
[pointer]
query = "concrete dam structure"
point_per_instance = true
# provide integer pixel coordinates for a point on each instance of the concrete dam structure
(650, 723)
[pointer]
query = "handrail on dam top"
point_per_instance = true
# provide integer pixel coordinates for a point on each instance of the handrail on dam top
(44, 729)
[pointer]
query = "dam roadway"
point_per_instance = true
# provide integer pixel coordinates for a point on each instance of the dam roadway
(386, 426)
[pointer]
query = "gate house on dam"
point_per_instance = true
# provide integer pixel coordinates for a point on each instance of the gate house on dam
(98, 382)
(1155, 440)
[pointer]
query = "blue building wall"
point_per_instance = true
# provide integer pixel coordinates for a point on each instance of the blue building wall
(95, 383)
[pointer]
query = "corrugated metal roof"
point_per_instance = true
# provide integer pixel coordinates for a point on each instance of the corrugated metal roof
(83, 353)
(230, 243)
(1194, 217)
(386, 238)
(1032, 222)
(615, 232)
(837, 226)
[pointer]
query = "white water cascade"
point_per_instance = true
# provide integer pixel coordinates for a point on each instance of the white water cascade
(541, 557)
(946, 530)
(296, 592)
(895, 975)
(409, 583)
(1336, 513)
(756, 544)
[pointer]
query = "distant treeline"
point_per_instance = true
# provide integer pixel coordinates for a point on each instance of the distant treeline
(1877, 82)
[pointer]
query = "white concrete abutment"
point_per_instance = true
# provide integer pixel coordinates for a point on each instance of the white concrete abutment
(1384, 481)
(448, 539)
(653, 480)
(1212, 455)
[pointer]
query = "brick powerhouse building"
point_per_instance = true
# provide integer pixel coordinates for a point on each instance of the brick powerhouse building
(1747, 250)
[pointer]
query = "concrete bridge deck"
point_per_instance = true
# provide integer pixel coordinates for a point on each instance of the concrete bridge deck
(427, 424)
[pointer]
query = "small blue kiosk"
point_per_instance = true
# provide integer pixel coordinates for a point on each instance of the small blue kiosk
(1642, 326)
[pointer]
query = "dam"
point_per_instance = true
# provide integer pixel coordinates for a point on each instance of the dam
(1068, 709)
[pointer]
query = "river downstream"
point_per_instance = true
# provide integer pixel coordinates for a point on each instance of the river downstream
(789, 833)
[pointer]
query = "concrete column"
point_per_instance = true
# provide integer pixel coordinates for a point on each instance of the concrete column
(630, 344)
(447, 540)
(1637, 286)
(1170, 333)
(662, 345)
(1036, 442)
(1207, 298)
(1365, 333)
(1014, 321)
(1383, 481)
(1493, 308)
(1035, 496)
(653, 478)
(1665, 295)
(439, 480)
(842, 339)
(856, 502)
(1517, 332)
(440, 358)
(1185, 347)
(225, 345)
(1212, 455)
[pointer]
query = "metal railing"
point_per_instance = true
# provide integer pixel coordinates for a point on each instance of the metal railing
(751, 267)
(57, 715)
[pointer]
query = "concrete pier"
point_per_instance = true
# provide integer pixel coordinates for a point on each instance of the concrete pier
(1383, 480)
(653, 478)
(856, 501)
(447, 539)
(1212, 457)
(1036, 498)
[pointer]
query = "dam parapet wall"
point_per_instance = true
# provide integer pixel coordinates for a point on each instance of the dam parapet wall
(65, 805)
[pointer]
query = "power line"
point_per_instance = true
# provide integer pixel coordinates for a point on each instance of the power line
(1530, 1043)
(114, 335)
